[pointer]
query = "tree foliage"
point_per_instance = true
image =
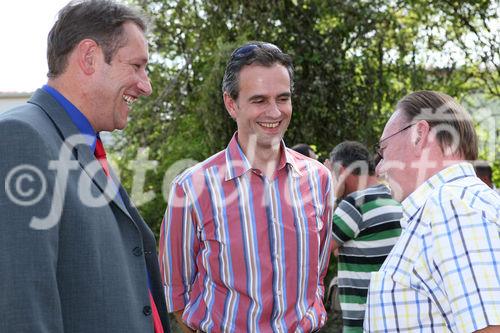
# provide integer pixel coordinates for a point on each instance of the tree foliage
(353, 60)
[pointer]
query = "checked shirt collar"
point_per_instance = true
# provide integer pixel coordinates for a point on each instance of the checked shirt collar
(412, 204)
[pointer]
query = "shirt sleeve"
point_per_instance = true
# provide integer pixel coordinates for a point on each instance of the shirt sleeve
(325, 234)
(346, 221)
(466, 255)
(178, 248)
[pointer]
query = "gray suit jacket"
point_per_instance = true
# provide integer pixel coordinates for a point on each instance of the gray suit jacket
(88, 271)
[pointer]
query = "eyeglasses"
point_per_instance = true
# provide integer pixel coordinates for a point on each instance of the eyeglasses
(245, 50)
(380, 151)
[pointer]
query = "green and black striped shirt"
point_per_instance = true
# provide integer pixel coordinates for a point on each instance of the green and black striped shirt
(366, 225)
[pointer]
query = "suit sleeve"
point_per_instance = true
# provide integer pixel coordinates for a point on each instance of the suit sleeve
(179, 246)
(28, 264)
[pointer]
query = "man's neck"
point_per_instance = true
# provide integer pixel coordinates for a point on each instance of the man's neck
(267, 162)
(264, 159)
(67, 88)
(426, 168)
(362, 183)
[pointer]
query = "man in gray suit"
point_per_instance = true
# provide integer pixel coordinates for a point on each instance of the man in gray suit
(75, 254)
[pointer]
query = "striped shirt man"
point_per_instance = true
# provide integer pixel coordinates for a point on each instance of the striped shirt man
(366, 227)
(443, 275)
(244, 253)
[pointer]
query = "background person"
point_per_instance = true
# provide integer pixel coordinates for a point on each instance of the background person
(484, 172)
(365, 227)
(77, 258)
(305, 150)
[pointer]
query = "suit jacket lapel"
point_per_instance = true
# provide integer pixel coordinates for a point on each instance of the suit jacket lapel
(82, 152)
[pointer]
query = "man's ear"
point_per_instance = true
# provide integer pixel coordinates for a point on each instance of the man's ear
(421, 136)
(87, 52)
(339, 180)
(230, 104)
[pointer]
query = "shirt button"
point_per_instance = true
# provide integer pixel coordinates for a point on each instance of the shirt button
(137, 251)
(146, 310)
(278, 293)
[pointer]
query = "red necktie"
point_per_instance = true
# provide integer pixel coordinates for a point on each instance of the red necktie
(156, 316)
(100, 154)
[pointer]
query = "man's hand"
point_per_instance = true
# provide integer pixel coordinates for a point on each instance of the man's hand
(335, 248)
(184, 327)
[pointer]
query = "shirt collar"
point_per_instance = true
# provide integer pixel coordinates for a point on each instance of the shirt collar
(237, 163)
(290, 160)
(77, 117)
(417, 199)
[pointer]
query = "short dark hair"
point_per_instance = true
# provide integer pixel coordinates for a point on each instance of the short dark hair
(483, 168)
(99, 20)
(261, 53)
(349, 152)
(302, 148)
(441, 110)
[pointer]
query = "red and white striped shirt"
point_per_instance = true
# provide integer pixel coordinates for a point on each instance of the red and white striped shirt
(244, 253)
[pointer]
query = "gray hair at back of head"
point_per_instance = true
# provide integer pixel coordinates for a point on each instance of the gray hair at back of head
(446, 116)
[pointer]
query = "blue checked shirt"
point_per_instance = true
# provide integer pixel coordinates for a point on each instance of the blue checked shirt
(444, 272)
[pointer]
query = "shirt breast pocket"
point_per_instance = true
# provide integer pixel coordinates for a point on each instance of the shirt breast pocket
(307, 230)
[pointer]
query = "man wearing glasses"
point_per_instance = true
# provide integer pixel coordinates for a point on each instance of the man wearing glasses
(443, 274)
(245, 240)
